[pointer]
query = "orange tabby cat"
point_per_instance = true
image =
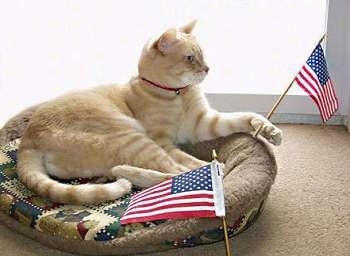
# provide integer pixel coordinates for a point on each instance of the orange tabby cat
(129, 132)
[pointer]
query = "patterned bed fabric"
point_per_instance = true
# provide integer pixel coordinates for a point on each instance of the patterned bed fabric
(99, 222)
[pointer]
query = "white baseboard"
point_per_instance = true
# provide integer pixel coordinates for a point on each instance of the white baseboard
(294, 109)
(285, 118)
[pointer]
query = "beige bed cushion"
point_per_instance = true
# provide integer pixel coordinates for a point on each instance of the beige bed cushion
(250, 171)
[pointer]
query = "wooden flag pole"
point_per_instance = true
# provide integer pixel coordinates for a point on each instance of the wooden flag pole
(282, 96)
(227, 241)
(224, 223)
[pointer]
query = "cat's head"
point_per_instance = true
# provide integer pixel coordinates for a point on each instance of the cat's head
(174, 59)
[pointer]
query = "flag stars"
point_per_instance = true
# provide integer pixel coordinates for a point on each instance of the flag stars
(318, 64)
(199, 179)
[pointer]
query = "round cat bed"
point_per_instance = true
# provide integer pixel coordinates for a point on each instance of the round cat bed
(95, 229)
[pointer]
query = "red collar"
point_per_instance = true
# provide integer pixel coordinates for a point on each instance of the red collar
(176, 90)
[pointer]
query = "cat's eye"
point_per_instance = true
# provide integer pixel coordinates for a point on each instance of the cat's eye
(189, 58)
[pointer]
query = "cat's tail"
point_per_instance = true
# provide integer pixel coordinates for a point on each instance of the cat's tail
(32, 173)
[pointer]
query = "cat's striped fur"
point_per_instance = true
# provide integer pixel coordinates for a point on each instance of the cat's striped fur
(128, 132)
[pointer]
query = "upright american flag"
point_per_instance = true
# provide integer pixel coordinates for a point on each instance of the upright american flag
(198, 193)
(314, 79)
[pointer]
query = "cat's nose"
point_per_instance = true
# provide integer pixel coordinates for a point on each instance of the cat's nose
(206, 69)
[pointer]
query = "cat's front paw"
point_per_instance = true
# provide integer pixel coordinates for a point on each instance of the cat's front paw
(268, 130)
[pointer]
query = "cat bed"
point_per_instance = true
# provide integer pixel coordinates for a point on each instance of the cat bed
(96, 230)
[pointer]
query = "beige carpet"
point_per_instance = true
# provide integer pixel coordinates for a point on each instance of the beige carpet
(308, 211)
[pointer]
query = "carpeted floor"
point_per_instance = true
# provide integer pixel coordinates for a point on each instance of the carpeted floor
(308, 211)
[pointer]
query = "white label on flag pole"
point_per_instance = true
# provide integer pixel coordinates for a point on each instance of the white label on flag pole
(218, 189)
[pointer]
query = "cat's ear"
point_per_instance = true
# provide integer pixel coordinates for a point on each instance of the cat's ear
(188, 27)
(167, 40)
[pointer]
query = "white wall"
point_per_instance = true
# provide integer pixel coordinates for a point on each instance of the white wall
(347, 62)
(338, 50)
(50, 47)
(299, 108)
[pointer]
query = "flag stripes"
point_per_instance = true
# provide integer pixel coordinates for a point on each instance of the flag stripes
(323, 96)
(185, 197)
(170, 214)
(153, 206)
(174, 203)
